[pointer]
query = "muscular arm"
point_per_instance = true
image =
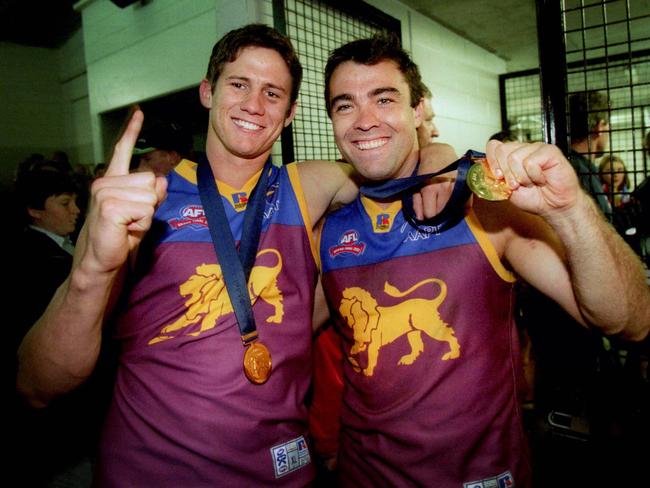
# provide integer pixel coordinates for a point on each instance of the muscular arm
(607, 277)
(61, 349)
(568, 250)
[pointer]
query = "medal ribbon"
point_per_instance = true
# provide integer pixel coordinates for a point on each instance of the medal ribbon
(235, 266)
(453, 210)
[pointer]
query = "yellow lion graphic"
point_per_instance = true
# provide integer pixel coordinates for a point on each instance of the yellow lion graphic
(374, 326)
(208, 297)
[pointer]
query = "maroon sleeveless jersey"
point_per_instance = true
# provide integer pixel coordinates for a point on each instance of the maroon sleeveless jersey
(431, 353)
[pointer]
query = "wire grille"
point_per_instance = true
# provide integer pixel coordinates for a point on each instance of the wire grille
(522, 108)
(608, 49)
(316, 28)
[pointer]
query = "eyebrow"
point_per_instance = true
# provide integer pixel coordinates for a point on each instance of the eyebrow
(248, 80)
(381, 91)
(377, 91)
(347, 97)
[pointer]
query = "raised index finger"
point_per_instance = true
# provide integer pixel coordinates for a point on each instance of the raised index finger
(123, 150)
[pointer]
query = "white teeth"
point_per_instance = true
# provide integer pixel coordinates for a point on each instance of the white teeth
(364, 145)
(246, 125)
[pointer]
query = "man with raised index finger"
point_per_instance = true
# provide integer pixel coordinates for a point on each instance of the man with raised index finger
(425, 310)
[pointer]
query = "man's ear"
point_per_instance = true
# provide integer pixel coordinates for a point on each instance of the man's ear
(418, 113)
(291, 113)
(205, 93)
(35, 214)
(602, 127)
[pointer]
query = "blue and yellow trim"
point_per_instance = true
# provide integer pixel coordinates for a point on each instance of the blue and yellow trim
(292, 171)
(488, 249)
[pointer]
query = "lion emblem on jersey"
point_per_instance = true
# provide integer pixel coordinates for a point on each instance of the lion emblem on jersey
(374, 326)
(208, 298)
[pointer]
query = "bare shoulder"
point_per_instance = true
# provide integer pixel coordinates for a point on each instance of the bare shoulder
(319, 168)
(326, 183)
(438, 152)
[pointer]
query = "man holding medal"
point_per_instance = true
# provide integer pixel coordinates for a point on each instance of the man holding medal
(209, 390)
(425, 308)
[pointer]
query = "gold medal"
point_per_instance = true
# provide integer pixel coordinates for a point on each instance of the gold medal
(257, 363)
(484, 185)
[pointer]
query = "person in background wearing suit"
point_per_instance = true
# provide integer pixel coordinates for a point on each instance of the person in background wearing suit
(53, 446)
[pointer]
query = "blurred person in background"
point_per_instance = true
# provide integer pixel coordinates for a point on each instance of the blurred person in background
(54, 446)
(161, 146)
(615, 180)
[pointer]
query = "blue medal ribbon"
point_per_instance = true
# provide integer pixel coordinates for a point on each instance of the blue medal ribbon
(453, 211)
(235, 266)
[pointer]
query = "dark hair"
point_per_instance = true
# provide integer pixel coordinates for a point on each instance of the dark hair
(504, 136)
(229, 46)
(586, 109)
(380, 47)
(36, 186)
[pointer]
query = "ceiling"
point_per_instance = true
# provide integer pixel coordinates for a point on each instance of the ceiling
(504, 27)
(507, 28)
(38, 23)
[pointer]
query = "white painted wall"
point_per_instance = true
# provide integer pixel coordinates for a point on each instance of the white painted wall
(44, 104)
(31, 105)
(144, 51)
(76, 109)
(463, 78)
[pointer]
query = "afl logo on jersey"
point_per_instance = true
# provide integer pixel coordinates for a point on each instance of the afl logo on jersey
(192, 215)
(348, 243)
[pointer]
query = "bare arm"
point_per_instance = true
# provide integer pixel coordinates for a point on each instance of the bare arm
(607, 277)
(327, 184)
(574, 256)
(61, 349)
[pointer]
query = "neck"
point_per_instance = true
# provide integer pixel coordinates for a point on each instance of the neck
(409, 165)
(584, 148)
(231, 169)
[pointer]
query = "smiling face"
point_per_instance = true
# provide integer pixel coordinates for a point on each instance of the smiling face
(374, 123)
(249, 107)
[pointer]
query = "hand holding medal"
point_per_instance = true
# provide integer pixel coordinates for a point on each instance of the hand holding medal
(540, 178)
(483, 183)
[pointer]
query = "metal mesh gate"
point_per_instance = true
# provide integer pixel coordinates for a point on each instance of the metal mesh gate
(608, 50)
(315, 28)
(521, 105)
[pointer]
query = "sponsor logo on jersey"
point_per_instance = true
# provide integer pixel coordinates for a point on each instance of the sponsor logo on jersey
(239, 200)
(504, 480)
(421, 233)
(290, 456)
(348, 244)
(192, 215)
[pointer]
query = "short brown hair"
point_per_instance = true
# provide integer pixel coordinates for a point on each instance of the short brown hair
(586, 109)
(229, 46)
(380, 47)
